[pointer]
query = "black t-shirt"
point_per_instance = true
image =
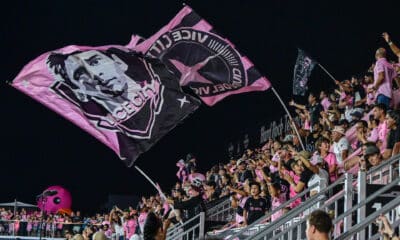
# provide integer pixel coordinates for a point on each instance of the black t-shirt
(315, 111)
(256, 208)
(393, 137)
(246, 174)
(287, 164)
(76, 219)
(306, 175)
(358, 93)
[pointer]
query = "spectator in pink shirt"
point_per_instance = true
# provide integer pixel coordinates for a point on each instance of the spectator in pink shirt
(324, 100)
(384, 74)
(323, 146)
(379, 113)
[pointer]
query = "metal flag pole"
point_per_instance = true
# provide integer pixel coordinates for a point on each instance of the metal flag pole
(156, 187)
(290, 116)
(326, 71)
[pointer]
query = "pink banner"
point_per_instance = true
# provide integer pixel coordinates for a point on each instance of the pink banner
(204, 61)
(123, 99)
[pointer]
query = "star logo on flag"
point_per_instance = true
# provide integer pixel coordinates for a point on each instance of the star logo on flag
(190, 73)
(183, 101)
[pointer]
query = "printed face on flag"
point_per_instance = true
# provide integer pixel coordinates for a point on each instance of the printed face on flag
(122, 98)
(204, 61)
(99, 82)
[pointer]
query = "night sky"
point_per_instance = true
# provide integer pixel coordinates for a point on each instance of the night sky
(39, 148)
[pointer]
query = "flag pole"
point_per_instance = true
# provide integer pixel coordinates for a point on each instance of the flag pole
(326, 71)
(155, 186)
(290, 116)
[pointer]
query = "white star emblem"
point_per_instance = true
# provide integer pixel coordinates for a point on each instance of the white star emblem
(183, 101)
(25, 83)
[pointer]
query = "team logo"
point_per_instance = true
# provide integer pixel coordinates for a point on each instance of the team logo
(205, 62)
(114, 88)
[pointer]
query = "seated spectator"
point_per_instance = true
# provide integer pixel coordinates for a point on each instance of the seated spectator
(319, 226)
(255, 206)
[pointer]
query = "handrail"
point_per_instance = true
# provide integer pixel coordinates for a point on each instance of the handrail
(383, 164)
(293, 211)
(368, 199)
(360, 226)
(199, 225)
(282, 206)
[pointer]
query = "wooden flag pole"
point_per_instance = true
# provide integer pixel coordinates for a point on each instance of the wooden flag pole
(290, 117)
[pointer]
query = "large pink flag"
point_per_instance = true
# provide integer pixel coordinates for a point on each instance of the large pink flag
(202, 59)
(125, 100)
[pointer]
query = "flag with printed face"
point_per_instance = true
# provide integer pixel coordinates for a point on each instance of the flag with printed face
(125, 100)
(302, 71)
(203, 60)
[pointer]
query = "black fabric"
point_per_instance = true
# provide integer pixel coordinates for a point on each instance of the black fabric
(256, 208)
(393, 137)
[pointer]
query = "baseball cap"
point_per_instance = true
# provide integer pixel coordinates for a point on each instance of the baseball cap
(370, 150)
(356, 114)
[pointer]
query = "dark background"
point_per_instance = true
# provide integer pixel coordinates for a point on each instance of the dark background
(40, 148)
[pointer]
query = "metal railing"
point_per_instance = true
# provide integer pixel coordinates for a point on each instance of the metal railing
(25, 228)
(385, 172)
(221, 212)
(293, 224)
(190, 229)
(261, 224)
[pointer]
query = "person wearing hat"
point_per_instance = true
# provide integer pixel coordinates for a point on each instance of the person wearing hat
(341, 146)
(355, 116)
(242, 173)
(373, 155)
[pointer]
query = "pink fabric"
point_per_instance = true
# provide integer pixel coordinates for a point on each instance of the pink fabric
(177, 31)
(142, 219)
(330, 159)
(325, 103)
(130, 228)
(276, 202)
(382, 65)
(371, 97)
(259, 174)
(383, 131)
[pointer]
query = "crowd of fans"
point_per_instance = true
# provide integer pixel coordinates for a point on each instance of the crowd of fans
(354, 125)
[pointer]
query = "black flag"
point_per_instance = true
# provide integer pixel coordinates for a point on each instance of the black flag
(302, 71)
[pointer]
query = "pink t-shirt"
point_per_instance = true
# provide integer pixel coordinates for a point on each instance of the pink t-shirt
(142, 220)
(330, 159)
(382, 65)
(383, 131)
(325, 103)
(276, 202)
(130, 228)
